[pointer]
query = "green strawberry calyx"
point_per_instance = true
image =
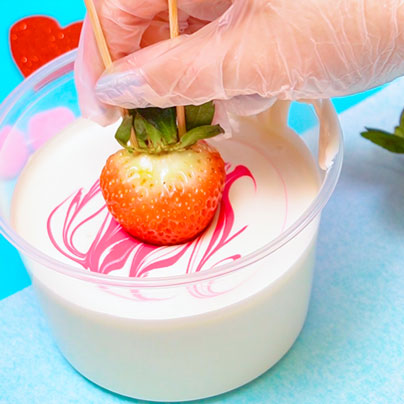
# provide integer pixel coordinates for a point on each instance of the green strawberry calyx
(154, 130)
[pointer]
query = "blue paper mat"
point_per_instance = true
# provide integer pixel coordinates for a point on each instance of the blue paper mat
(351, 349)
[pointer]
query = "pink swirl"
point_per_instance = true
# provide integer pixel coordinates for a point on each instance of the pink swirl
(113, 249)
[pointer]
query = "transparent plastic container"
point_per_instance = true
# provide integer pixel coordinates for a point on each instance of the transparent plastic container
(128, 334)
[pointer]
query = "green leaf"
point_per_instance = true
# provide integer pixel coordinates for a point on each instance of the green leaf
(199, 133)
(385, 139)
(156, 128)
(163, 119)
(122, 134)
(147, 133)
(399, 130)
(200, 115)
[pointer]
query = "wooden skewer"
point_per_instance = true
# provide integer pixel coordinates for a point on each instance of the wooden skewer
(174, 32)
(173, 18)
(99, 35)
(100, 39)
(106, 56)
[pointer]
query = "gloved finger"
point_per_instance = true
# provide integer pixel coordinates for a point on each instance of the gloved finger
(270, 48)
(203, 9)
(181, 71)
(159, 29)
(125, 22)
(245, 105)
(123, 27)
(127, 26)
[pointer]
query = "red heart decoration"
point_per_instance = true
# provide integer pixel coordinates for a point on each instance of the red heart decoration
(35, 41)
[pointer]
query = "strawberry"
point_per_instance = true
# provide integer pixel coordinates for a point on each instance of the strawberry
(163, 189)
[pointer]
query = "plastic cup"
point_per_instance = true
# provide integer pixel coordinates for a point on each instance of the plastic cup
(233, 332)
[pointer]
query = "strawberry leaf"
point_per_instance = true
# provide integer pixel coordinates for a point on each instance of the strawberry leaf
(388, 141)
(154, 130)
(147, 135)
(122, 135)
(399, 130)
(200, 115)
(163, 119)
(199, 133)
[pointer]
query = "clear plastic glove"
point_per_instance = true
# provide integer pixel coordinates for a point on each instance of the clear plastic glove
(128, 26)
(245, 53)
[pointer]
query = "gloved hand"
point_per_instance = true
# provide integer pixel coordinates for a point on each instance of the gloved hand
(245, 53)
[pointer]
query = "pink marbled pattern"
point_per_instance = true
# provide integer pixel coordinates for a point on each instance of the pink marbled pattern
(44, 125)
(112, 248)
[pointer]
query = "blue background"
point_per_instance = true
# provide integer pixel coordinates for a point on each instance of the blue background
(13, 276)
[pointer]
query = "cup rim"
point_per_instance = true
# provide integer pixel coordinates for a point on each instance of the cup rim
(313, 210)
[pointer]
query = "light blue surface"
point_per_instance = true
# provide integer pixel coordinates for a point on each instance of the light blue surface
(351, 349)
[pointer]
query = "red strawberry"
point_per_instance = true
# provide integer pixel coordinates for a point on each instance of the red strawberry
(164, 198)
(162, 189)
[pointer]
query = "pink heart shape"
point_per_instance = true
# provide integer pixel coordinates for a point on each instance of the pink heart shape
(13, 152)
(44, 125)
